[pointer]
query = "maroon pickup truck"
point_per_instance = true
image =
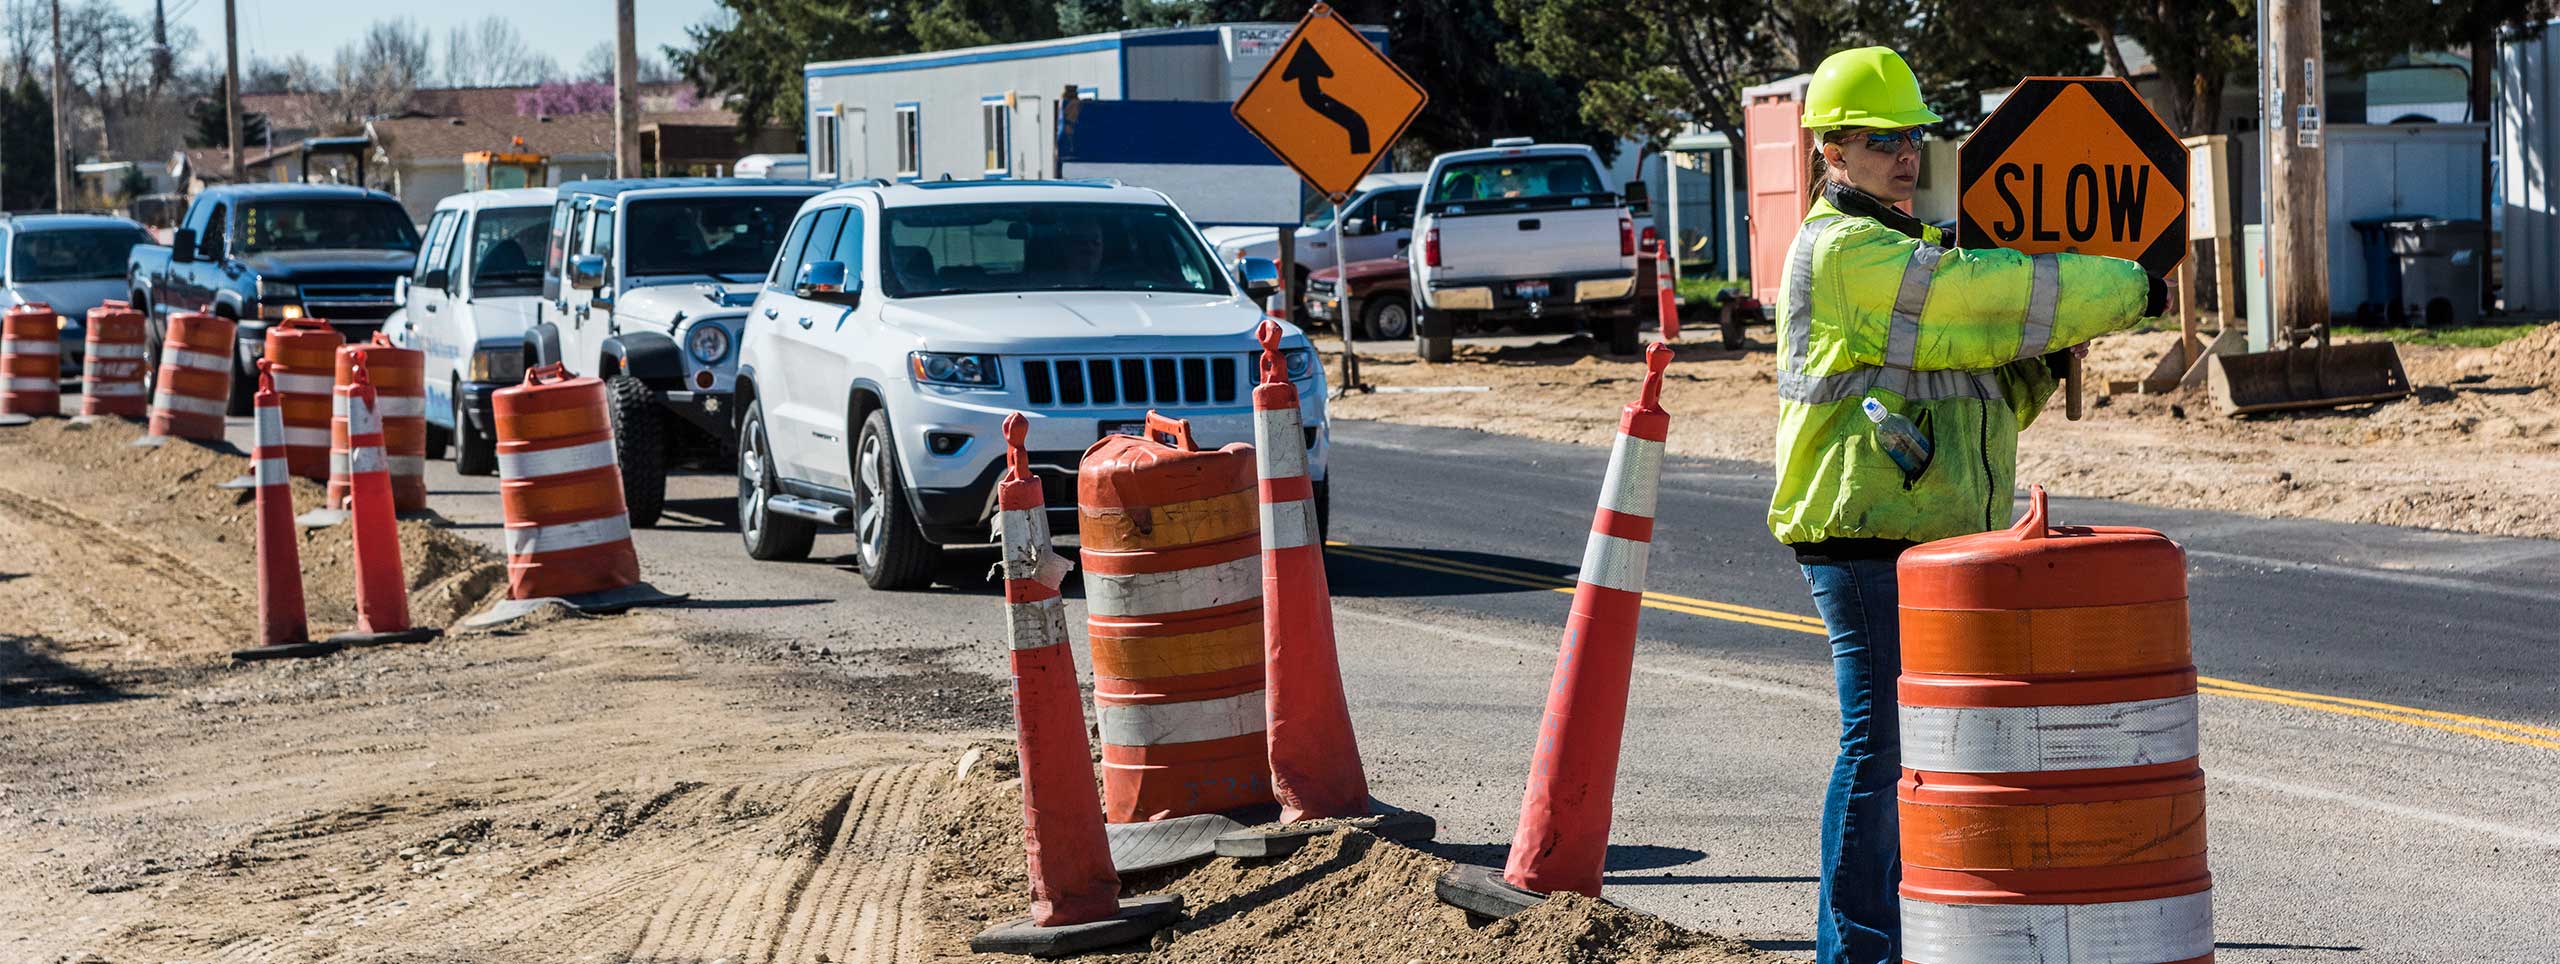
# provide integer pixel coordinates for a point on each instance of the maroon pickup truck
(1380, 296)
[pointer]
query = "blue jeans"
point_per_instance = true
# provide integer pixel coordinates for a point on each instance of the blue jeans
(1861, 913)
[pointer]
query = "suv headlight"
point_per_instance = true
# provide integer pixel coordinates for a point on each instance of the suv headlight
(707, 343)
(278, 291)
(942, 368)
(499, 365)
(1301, 362)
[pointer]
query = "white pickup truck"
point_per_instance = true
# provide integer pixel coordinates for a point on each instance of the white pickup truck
(1527, 235)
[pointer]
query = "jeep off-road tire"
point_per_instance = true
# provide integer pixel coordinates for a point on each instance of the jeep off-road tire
(474, 452)
(638, 447)
(893, 550)
(770, 537)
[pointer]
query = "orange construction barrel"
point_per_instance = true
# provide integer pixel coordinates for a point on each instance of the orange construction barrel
(194, 380)
(1172, 548)
(2052, 806)
(31, 361)
(399, 377)
(304, 351)
(566, 529)
(112, 360)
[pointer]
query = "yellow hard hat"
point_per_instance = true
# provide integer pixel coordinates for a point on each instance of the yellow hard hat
(1865, 87)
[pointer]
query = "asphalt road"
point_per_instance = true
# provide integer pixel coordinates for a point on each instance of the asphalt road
(2382, 731)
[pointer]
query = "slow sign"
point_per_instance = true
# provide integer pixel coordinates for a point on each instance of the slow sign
(2077, 164)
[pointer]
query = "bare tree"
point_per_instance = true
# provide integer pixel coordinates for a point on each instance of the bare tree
(371, 77)
(597, 66)
(492, 54)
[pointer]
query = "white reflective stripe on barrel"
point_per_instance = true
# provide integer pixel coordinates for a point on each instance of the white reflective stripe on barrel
(292, 384)
(1033, 625)
(391, 406)
(113, 389)
(366, 459)
(1280, 443)
(575, 458)
(1614, 562)
(317, 438)
(1635, 473)
(2028, 739)
(1288, 525)
(1150, 593)
(116, 350)
(1156, 724)
(168, 401)
(30, 346)
(273, 472)
(34, 385)
(2132, 932)
(528, 540)
(196, 359)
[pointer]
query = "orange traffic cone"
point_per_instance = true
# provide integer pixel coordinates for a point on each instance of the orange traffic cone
(283, 631)
(382, 583)
(1075, 893)
(1666, 290)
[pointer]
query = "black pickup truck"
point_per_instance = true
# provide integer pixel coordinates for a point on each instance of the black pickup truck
(262, 253)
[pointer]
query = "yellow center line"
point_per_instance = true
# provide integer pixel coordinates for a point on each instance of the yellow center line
(2505, 731)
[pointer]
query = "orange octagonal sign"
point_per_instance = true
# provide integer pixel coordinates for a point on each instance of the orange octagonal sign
(2077, 164)
(1329, 103)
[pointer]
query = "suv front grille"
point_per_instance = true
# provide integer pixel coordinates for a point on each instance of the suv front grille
(1134, 382)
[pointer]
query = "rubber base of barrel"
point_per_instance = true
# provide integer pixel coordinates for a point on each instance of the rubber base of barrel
(1180, 840)
(150, 442)
(1138, 917)
(418, 635)
(319, 518)
(1483, 892)
(288, 651)
(1283, 839)
(610, 601)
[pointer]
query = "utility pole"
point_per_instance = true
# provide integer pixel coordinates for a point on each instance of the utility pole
(61, 145)
(2297, 188)
(626, 93)
(231, 80)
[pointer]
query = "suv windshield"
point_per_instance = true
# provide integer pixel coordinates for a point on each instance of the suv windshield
(732, 239)
(80, 254)
(946, 249)
(310, 225)
(1527, 181)
(504, 243)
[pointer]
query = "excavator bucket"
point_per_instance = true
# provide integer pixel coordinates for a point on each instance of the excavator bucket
(2318, 376)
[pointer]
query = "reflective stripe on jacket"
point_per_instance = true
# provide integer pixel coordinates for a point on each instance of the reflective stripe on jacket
(1950, 338)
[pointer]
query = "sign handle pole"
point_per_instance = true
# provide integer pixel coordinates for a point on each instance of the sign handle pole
(1342, 311)
(2071, 386)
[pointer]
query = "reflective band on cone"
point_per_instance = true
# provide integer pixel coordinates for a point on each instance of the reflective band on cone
(567, 533)
(30, 361)
(195, 378)
(1315, 757)
(281, 617)
(112, 362)
(2051, 804)
(1072, 881)
(1173, 588)
(1563, 837)
(400, 383)
(304, 352)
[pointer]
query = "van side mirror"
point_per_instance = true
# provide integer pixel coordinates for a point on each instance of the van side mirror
(1639, 199)
(182, 245)
(827, 282)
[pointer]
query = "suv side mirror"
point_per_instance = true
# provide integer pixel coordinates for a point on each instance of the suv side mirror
(827, 282)
(586, 272)
(182, 245)
(1261, 276)
(1639, 198)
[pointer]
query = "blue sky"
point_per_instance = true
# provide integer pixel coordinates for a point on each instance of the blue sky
(565, 29)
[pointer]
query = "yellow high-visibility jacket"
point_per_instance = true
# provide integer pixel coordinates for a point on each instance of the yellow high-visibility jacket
(1952, 339)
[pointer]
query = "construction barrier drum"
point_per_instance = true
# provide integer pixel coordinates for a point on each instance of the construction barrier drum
(195, 377)
(2052, 806)
(112, 360)
(567, 531)
(304, 350)
(400, 381)
(1172, 549)
(31, 358)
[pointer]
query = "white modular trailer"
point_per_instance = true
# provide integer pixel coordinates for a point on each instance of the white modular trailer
(1012, 111)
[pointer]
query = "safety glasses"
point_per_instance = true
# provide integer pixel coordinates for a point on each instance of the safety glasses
(1892, 142)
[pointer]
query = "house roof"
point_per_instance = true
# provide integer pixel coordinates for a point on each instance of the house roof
(426, 138)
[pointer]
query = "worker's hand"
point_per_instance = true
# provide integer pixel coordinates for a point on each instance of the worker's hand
(2080, 350)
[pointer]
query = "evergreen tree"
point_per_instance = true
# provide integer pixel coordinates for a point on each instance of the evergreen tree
(26, 146)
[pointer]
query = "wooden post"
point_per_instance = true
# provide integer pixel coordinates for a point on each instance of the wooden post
(231, 80)
(2297, 196)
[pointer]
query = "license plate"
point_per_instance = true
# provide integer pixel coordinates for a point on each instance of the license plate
(1136, 428)
(1530, 289)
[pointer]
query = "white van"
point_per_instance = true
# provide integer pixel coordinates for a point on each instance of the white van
(475, 289)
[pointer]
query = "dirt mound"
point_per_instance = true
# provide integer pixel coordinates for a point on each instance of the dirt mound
(1347, 896)
(134, 554)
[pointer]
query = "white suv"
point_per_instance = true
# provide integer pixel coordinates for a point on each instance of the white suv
(901, 324)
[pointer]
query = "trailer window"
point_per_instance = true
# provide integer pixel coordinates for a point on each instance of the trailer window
(997, 121)
(910, 142)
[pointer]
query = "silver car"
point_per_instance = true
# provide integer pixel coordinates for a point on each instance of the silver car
(73, 262)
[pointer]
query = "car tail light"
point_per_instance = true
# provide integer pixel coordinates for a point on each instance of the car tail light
(1431, 248)
(1649, 239)
(1627, 236)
